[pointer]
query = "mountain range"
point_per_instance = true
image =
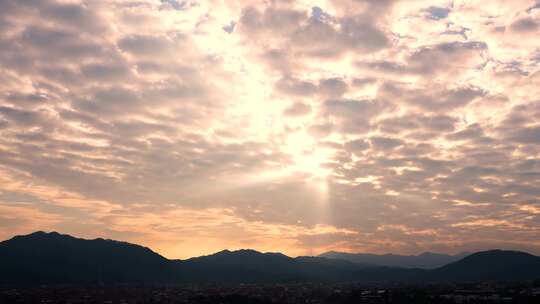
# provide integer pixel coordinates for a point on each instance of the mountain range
(53, 258)
(426, 260)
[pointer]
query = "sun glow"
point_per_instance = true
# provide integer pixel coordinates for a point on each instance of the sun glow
(309, 159)
(312, 162)
(259, 115)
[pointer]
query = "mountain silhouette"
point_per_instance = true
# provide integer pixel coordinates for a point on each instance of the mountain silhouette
(426, 260)
(498, 265)
(53, 258)
(56, 258)
(256, 267)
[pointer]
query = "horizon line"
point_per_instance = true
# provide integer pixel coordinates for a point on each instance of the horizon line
(266, 252)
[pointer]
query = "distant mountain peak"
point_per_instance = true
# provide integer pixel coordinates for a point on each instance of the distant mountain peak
(42, 234)
(426, 260)
(224, 251)
(245, 252)
(237, 252)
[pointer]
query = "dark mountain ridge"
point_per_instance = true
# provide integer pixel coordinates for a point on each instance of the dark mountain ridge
(498, 265)
(253, 266)
(53, 258)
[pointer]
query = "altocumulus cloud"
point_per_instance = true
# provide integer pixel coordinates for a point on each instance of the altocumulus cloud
(191, 127)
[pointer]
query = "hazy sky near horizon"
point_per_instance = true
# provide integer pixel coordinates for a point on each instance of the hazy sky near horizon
(292, 126)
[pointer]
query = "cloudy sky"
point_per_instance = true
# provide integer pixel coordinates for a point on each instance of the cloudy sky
(294, 126)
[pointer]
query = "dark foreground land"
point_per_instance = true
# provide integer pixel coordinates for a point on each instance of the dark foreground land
(49, 268)
(278, 293)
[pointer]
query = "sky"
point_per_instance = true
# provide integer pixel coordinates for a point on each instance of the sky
(190, 127)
